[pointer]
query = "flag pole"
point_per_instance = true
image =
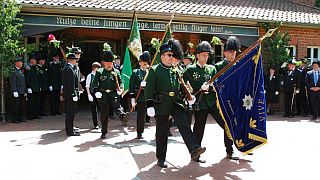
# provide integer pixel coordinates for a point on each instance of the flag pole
(240, 56)
(154, 58)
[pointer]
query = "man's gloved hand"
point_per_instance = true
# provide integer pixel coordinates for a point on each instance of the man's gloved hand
(29, 90)
(90, 98)
(15, 94)
(143, 84)
(98, 95)
(276, 93)
(297, 91)
(264, 91)
(75, 98)
(61, 87)
(205, 86)
(50, 88)
(193, 100)
(151, 111)
(119, 92)
(133, 102)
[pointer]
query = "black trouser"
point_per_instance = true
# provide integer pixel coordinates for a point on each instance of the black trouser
(315, 102)
(104, 111)
(200, 124)
(141, 114)
(55, 101)
(289, 104)
(71, 108)
(16, 111)
(162, 127)
(33, 104)
(94, 109)
(302, 102)
(43, 102)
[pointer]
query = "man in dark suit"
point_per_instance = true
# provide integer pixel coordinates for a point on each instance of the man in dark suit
(313, 85)
(55, 83)
(18, 90)
(33, 78)
(291, 86)
(44, 88)
(70, 92)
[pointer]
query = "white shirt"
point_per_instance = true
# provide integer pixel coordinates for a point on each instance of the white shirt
(88, 80)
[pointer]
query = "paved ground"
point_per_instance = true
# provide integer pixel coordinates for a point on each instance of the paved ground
(39, 149)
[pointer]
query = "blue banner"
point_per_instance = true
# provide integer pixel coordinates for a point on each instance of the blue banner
(241, 101)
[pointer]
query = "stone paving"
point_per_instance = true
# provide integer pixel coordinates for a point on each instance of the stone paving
(39, 149)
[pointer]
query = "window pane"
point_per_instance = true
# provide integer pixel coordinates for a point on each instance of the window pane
(315, 53)
(309, 53)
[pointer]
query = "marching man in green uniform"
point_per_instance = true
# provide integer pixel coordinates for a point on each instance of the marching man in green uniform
(136, 80)
(162, 95)
(198, 75)
(107, 84)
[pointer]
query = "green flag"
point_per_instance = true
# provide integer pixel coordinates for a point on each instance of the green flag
(126, 72)
(134, 43)
(167, 36)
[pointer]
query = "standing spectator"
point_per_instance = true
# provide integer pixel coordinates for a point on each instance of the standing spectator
(33, 79)
(302, 97)
(272, 87)
(71, 93)
(18, 90)
(313, 85)
(291, 86)
(55, 84)
(93, 100)
(44, 87)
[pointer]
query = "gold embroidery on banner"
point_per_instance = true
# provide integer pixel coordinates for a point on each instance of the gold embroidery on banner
(239, 143)
(253, 123)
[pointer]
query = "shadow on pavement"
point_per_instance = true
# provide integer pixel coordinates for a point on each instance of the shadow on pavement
(220, 170)
(54, 137)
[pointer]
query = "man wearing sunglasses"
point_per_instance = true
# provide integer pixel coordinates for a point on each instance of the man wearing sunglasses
(162, 96)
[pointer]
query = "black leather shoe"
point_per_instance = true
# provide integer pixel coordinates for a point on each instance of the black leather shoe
(139, 136)
(162, 164)
(73, 134)
(200, 160)
(22, 120)
(196, 153)
(58, 113)
(232, 156)
(103, 136)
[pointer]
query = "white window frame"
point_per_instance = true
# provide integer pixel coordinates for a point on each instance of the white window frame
(311, 58)
(294, 48)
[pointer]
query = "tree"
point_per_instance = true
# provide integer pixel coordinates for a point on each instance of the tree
(275, 48)
(10, 44)
(317, 3)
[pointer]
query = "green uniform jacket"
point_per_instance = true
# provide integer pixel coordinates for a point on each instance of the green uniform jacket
(44, 78)
(221, 64)
(196, 76)
(33, 78)
(160, 82)
(134, 86)
(105, 81)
